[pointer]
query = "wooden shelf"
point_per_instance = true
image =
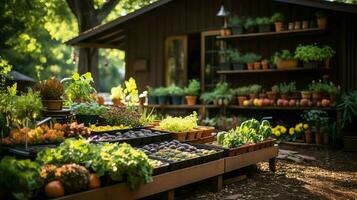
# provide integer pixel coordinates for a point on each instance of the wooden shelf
(182, 106)
(281, 108)
(308, 31)
(298, 69)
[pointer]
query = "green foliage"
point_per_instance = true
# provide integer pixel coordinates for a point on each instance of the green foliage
(79, 88)
(243, 91)
(328, 52)
(193, 87)
(51, 89)
(251, 58)
(263, 20)
(275, 88)
(116, 160)
(20, 177)
(320, 86)
(316, 118)
(235, 20)
(221, 90)
(283, 55)
(250, 22)
(235, 56)
(122, 116)
(308, 53)
(174, 90)
(5, 68)
(88, 109)
(207, 97)
(255, 89)
(179, 124)
(277, 17)
(161, 91)
(287, 87)
(349, 105)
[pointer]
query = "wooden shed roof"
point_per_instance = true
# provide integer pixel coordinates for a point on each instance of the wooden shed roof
(112, 35)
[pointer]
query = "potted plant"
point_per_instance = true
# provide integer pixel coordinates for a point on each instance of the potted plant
(117, 95)
(305, 24)
(327, 54)
(51, 92)
(152, 96)
(254, 91)
(316, 119)
(291, 26)
(286, 89)
(273, 94)
(285, 60)
(236, 58)
(326, 132)
(222, 94)
(321, 19)
(79, 88)
(349, 117)
(162, 94)
(236, 24)
(316, 88)
(265, 64)
(333, 91)
(311, 55)
(305, 94)
(251, 59)
(242, 93)
(224, 60)
(278, 19)
(207, 97)
(250, 25)
(87, 113)
(297, 25)
(176, 94)
(264, 24)
(192, 91)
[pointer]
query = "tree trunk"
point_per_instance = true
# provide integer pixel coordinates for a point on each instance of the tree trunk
(88, 62)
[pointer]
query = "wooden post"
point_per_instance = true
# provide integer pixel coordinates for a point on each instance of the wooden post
(171, 195)
(272, 164)
(217, 183)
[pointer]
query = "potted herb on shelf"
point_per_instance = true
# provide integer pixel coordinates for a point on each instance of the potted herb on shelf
(278, 19)
(297, 25)
(162, 94)
(236, 58)
(224, 60)
(264, 24)
(311, 55)
(242, 93)
(254, 91)
(251, 59)
(79, 88)
(265, 64)
(152, 96)
(316, 119)
(51, 92)
(192, 91)
(305, 24)
(321, 19)
(223, 94)
(286, 90)
(285, 60)
(87, 113)
(273, 94)
(236, 24)
(316, 88)
(349, 118)
(176, 94)
(327, 54)
(250, 25)
(333, 91)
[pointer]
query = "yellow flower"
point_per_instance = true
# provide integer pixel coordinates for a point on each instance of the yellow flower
(283, 129)
(75, 76)
(88, 76)
(306, 126)
(116, 92)
(277, 133)
(291, 131)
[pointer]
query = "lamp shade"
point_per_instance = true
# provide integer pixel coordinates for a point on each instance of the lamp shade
(222, 12)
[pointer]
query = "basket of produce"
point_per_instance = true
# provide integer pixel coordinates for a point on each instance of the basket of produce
(251, 135)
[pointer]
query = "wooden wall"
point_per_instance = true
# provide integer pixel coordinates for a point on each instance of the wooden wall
(146, 35)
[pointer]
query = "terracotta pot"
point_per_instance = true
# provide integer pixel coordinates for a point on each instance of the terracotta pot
(272, 95)
(265, 65)
(100, 100)
(191, 100)
(321, 22)
(53, 104)
(297, 25)
(257, 65)
(286, 64)
(226, 32)
(305, 24)
(117, 102)
(316, 95)
(318, 138)
(285, 96)
(326, 138)
(306, 94)
(309, 137)
(278, 26)
(250, 66)
(253, 96)
(291, 26)
(241, 99)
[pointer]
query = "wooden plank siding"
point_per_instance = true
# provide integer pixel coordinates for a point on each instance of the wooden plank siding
(146, 34)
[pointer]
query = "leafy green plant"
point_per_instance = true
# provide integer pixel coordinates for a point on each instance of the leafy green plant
(235, 20)
(283, 55)
(174, 90)
(255, 89)
(287, 87)
(277, 17)
(179, 124)
(51, 89)
(316, 118)
(243, 91)
(5, 68)
(193, 88)
(116, 116)
(251, 58)
(327, 52)
(21, 178)
(250, 22)
(349, 105)
(263, 20)
(308, 53)
(319, 86)
(79, 88)
(207, 97)
(161, 91)
(275, 88)
(88, 109)
(151, 91)
(235, 56)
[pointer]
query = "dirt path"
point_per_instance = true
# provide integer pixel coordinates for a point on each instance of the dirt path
(333, 175)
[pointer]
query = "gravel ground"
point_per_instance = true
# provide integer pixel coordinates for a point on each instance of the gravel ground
(333, 175)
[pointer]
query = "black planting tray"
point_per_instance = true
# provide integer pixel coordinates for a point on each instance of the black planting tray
(30, 152)
(161, 169)
(120, 130)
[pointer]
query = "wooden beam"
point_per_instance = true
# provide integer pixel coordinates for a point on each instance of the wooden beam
(337, 6)
(115, 39)
(105, 36)
(98, 45)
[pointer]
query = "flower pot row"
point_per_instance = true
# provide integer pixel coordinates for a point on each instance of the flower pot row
(197, 133)
(174, 100)
(316, 137)
(249, 147)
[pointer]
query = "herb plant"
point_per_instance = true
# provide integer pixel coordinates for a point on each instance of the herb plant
(122, 116)
(235, 21)
(88, 109)
(251, 58)
(193, 88)
(277, 17)
(250, 22)
(51, 89)
(79, 88)
(255, 89)
(308, 53)
(263, 20)
(179, 124)
(287, 87)
(349, 106)
(161, 91)
(243, 91)
(175, 90)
